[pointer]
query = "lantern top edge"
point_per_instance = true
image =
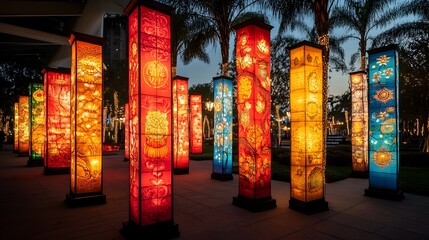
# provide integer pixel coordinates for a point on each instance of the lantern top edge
(222, 77)
(150, 4)
(253, 21)
(56, 70)
(305, 43)
(77, 36)
(195, 95)
(357, 72)
(178, 77)
(382, 49)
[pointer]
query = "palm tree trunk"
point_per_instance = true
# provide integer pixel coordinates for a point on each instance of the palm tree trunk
(362, 46)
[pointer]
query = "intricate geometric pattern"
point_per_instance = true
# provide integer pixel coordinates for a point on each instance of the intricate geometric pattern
(180, 123)
(15, 126)
(37, 121)
(24, 125)
(196, 124)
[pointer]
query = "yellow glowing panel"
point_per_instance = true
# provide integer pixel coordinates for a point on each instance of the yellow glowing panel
(24, 125)
(15, 126)
(37, 121)
(180, 125)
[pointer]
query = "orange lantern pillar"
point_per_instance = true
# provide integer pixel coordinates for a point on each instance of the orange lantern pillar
(37, 124)
(150, 99)
(308, 147)
(15, 126)
(359, 88)
(24, 126)
(196, 124)
(254, 114)
(127, 133)
(180, 125)
(57, 121)
(86, 129)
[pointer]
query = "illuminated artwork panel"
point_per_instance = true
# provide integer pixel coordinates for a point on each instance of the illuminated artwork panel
(307, 148)
(254, 109)
(196, 124)
(383, 119)
(23, 125)
(180, 123)
(37, 121)
(127, 132)
(15, 126)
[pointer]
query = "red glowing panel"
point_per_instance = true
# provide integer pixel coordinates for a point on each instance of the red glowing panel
(127, 132)
(254, 109)
(196, 124)
(15, 126)
(180, 124)
(24, 125)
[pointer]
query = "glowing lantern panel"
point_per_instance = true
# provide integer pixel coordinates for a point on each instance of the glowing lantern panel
(383, 119)
(307, 126)
(37, 121)
(23, 126)
(222, 153)
(57, 122)
(359, 87)
(127, 132)
(180, 125)
(254, 110)
(15, 126)
(196, 130)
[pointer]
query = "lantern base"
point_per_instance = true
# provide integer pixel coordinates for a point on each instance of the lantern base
(20, 154)
(397, 195)
(222, 177)
(165, 230)
(180, 171)
(254, 205)
(35, 163)
(311, 207)
(56, 171)
(126, 159)
(363, 175)
(81, 200)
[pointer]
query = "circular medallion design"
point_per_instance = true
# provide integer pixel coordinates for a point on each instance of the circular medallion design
(315, 180)
(383, 95)
(218, 105)
(312, 109)
(155, 74)
(382, 158)
(388, 126)
(38, 95)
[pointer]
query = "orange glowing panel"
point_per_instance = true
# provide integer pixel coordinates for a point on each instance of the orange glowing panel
(307, 127)
(127, 132)
(150, 99)
(37, 123)
(24, 126)
(254, 114)
(196, 130)
(15, 126)
(57, 120)
(180, 125)
(86, 101)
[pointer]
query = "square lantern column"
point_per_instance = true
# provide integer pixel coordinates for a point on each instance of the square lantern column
(383, 114)
(359, 87)
(196, 123)
(222, 151)
(308, 149)
(254, 116)
(150, 99)
(15, 126)
(37, 124)
(57, 121)
(24, 126)
(127, 133)
(86, 128)
(180, 125)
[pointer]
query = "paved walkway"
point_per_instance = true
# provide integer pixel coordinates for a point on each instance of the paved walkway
(32, 207)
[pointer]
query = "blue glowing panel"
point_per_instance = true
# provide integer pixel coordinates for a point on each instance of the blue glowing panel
(222, 156)
(383, 115)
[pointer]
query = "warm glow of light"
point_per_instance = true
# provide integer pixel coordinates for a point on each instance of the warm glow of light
(180, 123)
(196, 125)
(127, 132)
(359, 87)
(15, 126)
(86, 114)
(307, 147)
(150, 116)
(254, 111)
(24, 125)
(57, 118)
(37, 121)
(383, 118)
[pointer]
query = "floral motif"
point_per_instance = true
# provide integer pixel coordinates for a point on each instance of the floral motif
(383, 95)
(383, 60)
(382, 158)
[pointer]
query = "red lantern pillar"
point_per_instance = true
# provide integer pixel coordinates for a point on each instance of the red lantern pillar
(151, 165)
(15, 126)
(127, 133)
(180, 125)
(196, 129)
(254, 114)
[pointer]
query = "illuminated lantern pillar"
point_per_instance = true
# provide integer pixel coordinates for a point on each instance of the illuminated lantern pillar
(127, 133)
(222, 151)
(359, 88)
(383, 114)
(15, 126)
(37, 124)
(57, 121)
(180, 125)
(86, 118)
(196, 124)
(150, 99)
(308, 148)
(23, 126)
(254, 114)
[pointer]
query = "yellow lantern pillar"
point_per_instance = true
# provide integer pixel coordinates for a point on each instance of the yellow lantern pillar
(308, 146)
(24, 126)
(37, 124)
(180, 125)
(15, 126)
(196, 124)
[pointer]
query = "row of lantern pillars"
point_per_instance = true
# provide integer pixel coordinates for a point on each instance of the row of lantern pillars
(158, 108)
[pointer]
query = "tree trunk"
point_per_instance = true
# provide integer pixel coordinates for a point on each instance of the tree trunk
(362, 45)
